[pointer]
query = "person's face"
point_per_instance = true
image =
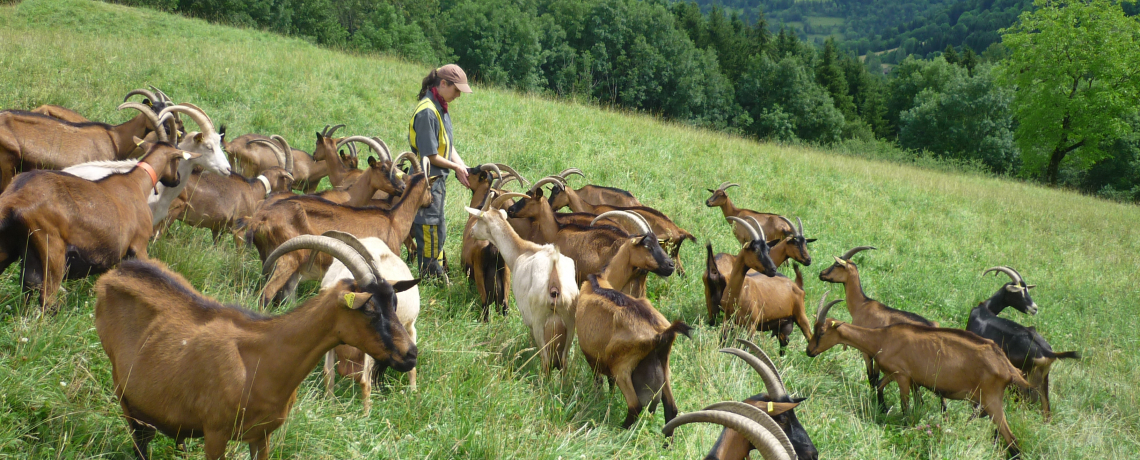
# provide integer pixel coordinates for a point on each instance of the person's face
(448, 91)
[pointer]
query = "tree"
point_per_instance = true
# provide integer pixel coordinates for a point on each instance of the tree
(969, 60)
(831, 77)
(969, 119)
(785, 103)
(950, 55)
(1074, 64)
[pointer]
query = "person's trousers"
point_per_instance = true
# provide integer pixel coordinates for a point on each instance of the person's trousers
(430, 232)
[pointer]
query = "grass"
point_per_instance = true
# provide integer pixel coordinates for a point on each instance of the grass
(480, 394)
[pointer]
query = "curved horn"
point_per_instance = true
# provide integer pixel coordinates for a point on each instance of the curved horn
(1008, 271)
(276, 151)
(161, 95)
(356, 263)
(801, 227)
(504, 197)
(759, 228)
(566, 173)
(330, 131)
(726, 185)
(642, 228)
(288, 151)
(768, 375)
(416, 166)
(508, 169)
(760, 417)
(790, 224)
(387, 151)
(366, 141)
(643, 221)
(357, 245)
(194, 113)
(821, 313)
(761, 439)
(159, 130)
(851, 253)
(546, 180)
(751, 231)
(1018, 274)
(144, 93)
(755, 349)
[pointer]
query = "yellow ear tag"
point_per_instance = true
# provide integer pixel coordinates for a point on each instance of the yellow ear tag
(350, 299)
(771, 407)
(832, 323)
(399, 174)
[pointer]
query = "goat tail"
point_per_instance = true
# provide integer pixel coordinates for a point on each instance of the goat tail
(799, 276)
(665, 338)
(1067, 355)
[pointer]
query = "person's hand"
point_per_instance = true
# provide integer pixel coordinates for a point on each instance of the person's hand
(461, 174)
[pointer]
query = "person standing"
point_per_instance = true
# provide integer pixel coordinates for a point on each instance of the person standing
(430, 136)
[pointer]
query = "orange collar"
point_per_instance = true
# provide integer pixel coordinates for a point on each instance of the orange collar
(150, 172)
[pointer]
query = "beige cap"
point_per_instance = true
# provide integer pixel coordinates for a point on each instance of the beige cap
(455, 75)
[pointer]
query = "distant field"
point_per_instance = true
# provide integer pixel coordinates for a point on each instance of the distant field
(480, 395)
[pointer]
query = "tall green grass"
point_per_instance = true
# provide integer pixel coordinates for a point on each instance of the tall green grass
(480, 394)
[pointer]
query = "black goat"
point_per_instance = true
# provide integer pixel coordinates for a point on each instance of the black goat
(1026, 349)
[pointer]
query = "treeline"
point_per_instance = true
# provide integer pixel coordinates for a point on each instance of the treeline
(713, 69)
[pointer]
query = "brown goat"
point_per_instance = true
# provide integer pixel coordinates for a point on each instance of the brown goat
(250, 158)
(481, 260)
(671, 234)
(188, 366)
(865, 311)
(66, 227)
(627, 340)
(219, 202)
(33, 141)
(953, 363)
(763, 300)
(343, 174)
(381, 175)
(62, 113)
(592, 194)
(280, 221)
(774, 226)
(591, 247)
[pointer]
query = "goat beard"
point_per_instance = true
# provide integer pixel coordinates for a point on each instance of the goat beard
(170, 183)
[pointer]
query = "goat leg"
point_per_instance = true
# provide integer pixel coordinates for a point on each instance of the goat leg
(991, 403)
(259, 449)
(625, 384)
(52, 254)
(141, 434)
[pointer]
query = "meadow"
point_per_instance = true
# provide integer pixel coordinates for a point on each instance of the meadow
(480, 394)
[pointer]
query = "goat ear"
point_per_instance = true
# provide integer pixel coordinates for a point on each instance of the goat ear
(355, 300)
(401, 286)
(711, 190)
(810, 240)
(773, 243)
(473, 211)
(1013, 288)
(318, 136)
(371, 162)
(190, 155)
(841, 262)
(776, 408)
(198, 138)
(1031, 286)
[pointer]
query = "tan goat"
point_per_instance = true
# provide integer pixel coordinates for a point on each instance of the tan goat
(774, 226)
(187, 366)
(953, 363)
(66, 227)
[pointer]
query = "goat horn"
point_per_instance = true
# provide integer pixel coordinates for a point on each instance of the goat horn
(801, 226)
(330, 131)
(759, 353)
(508, 169)
(416, 166)
(1018, 274)
(760, 417)
(643, 221)
(762, 439)
(194, 113)
(767, 374)
(288, 151)
(641, 227)
(155, 122)
(566, 173)
(507, 179)
(1008, 271)
(759, 228)
(789, 222)
(162, 96)
(504, 197)
(366, 141)
(276, 151)
(726, 185)
(821, 313)
(352, 150)
(546, 180)
(494, 170)
(851, 253)
(751, 231)
(355, 263)
(355, 244)
(144, 93)
(387, 151)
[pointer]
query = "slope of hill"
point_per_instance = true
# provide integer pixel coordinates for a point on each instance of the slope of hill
(480, 395)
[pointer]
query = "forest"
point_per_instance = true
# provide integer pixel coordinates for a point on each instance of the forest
(949, 88)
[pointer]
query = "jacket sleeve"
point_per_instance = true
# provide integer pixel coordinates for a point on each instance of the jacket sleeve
(427, 133)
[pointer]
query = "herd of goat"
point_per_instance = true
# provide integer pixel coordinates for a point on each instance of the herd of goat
(82, 198)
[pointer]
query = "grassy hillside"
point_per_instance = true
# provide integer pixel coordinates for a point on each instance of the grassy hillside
(480, 394)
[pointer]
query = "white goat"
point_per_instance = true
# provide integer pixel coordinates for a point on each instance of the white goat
(543, 282)
(207, 143)
(353, 361)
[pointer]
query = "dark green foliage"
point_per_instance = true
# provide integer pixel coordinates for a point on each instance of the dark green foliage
(785, 103)
(496, 42)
